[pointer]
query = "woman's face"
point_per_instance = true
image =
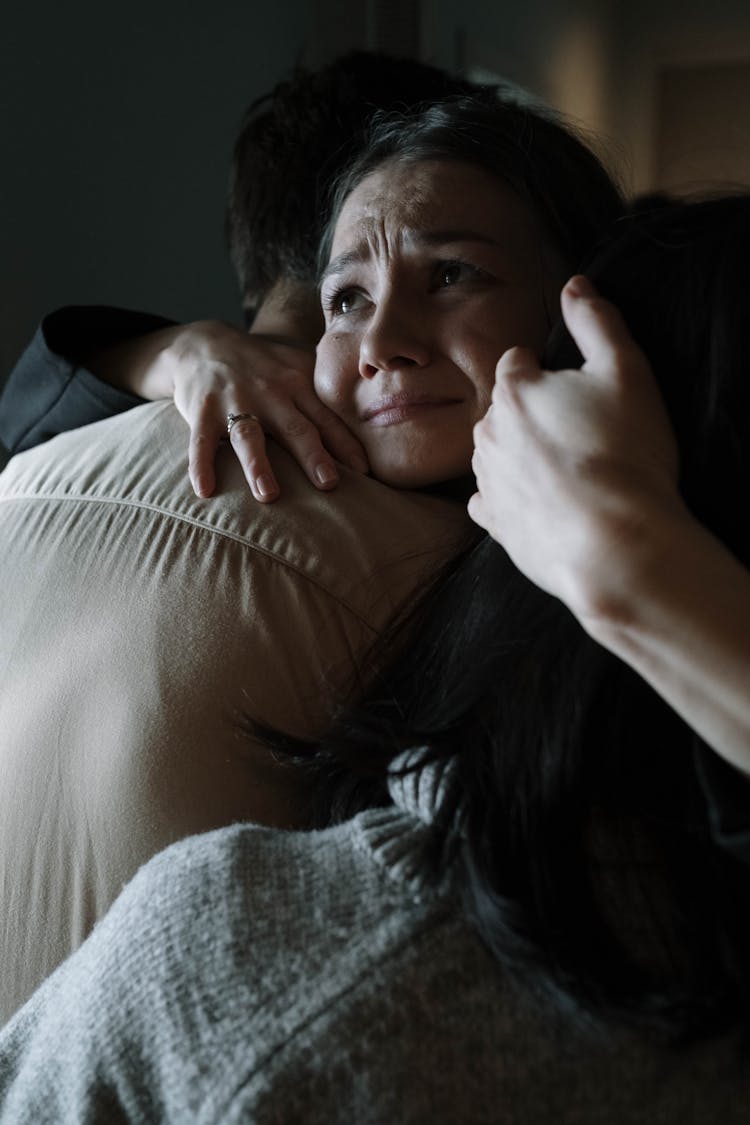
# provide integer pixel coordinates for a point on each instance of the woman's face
(436, 269)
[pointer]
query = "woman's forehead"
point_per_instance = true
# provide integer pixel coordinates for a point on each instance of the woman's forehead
(430, 196)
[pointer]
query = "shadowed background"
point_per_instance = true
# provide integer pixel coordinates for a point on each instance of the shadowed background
(117, 126)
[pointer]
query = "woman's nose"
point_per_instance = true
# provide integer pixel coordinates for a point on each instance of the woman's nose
(395, 338)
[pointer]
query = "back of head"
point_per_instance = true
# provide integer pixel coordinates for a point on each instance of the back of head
(528, 147)
(294, 141)
(679, 272)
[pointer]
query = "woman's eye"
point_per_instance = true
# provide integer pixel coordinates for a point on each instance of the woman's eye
(451, 273)
(348, 302)
(345, 301)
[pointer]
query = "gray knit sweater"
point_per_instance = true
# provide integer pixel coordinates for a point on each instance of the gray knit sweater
(254, 975)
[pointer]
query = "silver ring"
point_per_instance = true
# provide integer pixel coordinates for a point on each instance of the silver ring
(232, 418)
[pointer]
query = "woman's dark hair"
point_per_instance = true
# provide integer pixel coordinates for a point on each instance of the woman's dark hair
(680, 274)
(574, 801)
(530, 148)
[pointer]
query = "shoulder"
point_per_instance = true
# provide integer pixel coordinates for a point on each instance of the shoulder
(138, 460)
(262, 911)
(225, 952)
(363, 546)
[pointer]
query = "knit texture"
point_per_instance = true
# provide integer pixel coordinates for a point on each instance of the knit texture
(257, 975)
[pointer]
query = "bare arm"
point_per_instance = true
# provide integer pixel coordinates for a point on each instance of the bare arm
(681, 619)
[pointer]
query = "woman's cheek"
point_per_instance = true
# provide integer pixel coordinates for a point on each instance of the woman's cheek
(336, 370)
(476, 355)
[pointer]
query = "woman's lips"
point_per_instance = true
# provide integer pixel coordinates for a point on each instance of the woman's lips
(402, 408)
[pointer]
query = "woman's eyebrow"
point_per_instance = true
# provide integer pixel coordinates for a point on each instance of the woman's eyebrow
(422, 237)
(442, 237)
(343, 261)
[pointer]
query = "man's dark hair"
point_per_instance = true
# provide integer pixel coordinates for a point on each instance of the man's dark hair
(294, 141)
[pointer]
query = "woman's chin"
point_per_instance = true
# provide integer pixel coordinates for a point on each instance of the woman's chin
(434, 476)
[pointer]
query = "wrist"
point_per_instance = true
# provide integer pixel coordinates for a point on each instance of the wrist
(140, 365)
(638, 557)
(680, 620)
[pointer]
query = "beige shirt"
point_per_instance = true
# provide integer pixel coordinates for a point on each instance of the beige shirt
(139, 624)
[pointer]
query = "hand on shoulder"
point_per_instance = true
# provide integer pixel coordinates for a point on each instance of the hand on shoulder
(213, 370)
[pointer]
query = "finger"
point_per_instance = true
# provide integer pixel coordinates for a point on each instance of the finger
(480, 433)
(335, 435)
(517, 361)
(475, 508)
(482, 439)
(204, 442)
(301, 438)
(249, 444)
(596, 326)
(516, 365)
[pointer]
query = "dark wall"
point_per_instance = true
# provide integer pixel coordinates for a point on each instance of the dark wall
(116, 127)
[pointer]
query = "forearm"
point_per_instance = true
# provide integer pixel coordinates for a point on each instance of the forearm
(136, 365)
(51, 389)
(678, 613)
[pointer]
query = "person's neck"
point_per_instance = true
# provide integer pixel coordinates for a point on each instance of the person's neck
(290, 314)
(460, 488)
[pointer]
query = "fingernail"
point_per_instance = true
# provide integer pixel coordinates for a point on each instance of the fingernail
(325, 474)
(266, 485)
(358, 463)
(580, 286)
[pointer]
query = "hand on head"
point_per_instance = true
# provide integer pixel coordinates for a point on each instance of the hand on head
(570, 465)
